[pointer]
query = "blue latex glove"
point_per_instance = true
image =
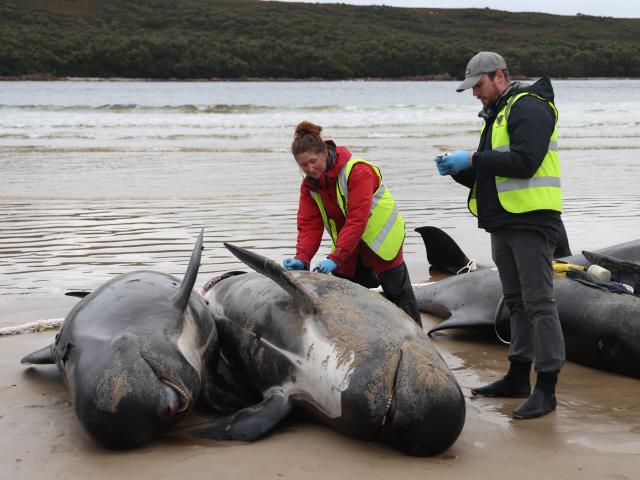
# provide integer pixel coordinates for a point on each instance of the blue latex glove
(326, 266)
(293, 264)
(442, 168)
(453, 163)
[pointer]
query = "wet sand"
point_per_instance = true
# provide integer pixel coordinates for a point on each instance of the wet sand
(595, 432)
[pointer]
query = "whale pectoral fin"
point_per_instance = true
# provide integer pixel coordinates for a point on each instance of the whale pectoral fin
(251, 423)
(43, 356)
(461, 321)
(77, 293)
(228, 390)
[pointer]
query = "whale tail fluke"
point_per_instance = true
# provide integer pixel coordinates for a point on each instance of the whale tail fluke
(622, 270)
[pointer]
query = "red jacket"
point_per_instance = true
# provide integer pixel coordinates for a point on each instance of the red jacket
(363, 182)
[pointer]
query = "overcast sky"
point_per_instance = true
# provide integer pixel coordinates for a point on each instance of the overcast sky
(610, 8)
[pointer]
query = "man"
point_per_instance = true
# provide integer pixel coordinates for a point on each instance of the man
(514, 179)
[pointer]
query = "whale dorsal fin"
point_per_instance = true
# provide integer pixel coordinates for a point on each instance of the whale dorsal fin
(278, 274)
(182, 295)
(443, 253)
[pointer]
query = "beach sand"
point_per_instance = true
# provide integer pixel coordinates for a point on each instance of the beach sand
(595, 432)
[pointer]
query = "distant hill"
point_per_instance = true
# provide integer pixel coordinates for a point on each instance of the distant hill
(255, 39)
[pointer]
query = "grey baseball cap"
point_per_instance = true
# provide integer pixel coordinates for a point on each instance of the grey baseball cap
(481, 63)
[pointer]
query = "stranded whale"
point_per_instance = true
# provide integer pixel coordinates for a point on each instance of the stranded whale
(135, 354)
(335, 350)
(601, 328)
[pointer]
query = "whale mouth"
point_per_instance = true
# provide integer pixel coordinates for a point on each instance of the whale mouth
(211, 283)
(390, 410)
(391, 403)
(185, 398)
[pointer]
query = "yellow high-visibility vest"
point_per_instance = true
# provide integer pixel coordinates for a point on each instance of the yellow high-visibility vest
(384, 233)
(519, 195)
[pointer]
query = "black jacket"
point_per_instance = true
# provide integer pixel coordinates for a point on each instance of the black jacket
(530, 125)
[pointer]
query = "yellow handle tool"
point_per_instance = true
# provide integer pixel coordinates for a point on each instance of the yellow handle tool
(563, 267)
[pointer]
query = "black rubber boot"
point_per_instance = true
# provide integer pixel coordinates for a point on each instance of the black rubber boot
(542, 400)
(514, 384)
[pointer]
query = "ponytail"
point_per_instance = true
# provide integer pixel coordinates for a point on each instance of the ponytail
(308, 139)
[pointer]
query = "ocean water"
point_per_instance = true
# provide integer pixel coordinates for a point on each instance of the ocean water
(100, 178)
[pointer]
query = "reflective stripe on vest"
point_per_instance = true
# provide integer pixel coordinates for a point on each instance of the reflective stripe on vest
(384, 233)
(329, 224)
(519, 195)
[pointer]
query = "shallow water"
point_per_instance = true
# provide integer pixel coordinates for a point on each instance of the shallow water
(100, 178)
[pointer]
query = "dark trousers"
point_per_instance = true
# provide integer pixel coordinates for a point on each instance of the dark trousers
(524, 258)
(395, 283)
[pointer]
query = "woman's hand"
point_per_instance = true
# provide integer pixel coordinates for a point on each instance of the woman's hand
(293, 264)
(326, 266)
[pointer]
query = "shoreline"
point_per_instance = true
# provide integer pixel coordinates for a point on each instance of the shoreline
(417, 78)
(54, 78)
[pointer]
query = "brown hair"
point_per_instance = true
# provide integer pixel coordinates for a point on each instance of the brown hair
(308, 139)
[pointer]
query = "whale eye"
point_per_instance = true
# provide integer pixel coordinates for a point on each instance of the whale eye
(67, 350)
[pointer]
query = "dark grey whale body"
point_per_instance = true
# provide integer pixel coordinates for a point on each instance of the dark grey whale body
(135, 354)
(338, 352)
(601, 328)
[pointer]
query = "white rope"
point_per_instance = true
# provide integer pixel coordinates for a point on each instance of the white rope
(496, 317)
(37, 326)
(414, 285)
(472, 266)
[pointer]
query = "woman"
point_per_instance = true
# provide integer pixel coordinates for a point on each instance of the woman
(346, 196)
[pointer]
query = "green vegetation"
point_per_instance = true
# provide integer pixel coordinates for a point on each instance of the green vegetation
(248, 38)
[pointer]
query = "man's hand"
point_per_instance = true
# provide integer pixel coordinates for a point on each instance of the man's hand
(453, 163)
